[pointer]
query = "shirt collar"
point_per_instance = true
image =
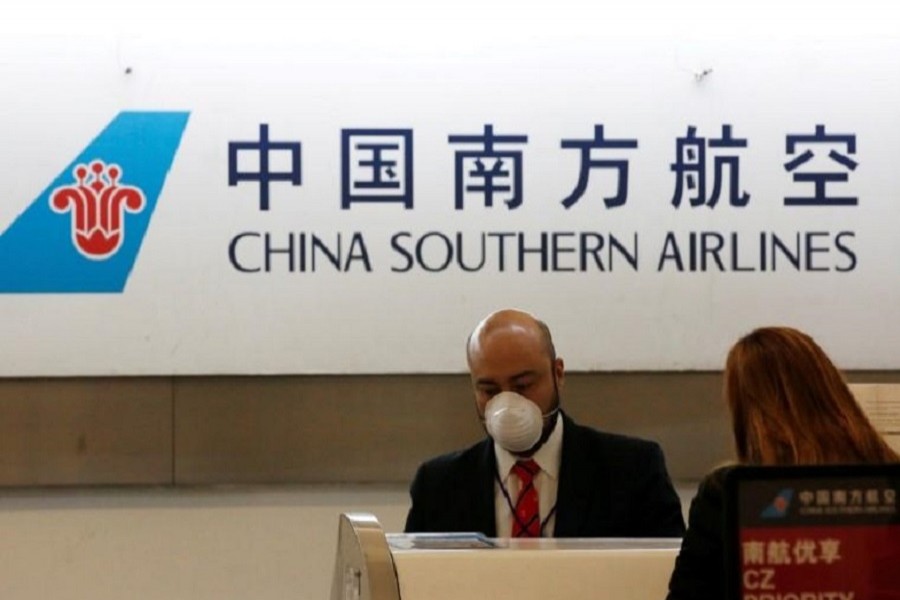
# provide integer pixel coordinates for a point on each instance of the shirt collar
(547, 457)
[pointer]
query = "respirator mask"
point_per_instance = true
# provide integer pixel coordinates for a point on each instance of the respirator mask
(514, 421)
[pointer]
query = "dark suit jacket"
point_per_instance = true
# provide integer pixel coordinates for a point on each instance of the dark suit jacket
(609, 486)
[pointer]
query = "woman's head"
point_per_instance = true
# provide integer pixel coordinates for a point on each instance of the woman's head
(790, 405)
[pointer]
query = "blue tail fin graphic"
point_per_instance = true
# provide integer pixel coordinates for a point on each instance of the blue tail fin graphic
(69, 240)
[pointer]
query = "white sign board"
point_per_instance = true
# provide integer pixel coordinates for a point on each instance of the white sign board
(355, 196)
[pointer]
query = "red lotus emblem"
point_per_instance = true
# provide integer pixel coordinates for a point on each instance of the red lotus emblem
(98, 204)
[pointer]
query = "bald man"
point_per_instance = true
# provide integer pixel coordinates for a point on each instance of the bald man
(538, 473)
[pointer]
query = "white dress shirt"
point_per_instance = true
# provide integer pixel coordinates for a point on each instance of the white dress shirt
(545, 482)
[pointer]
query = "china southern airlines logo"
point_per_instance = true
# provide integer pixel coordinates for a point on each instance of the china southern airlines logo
(97, 209)
(779, 506)
(83, 233)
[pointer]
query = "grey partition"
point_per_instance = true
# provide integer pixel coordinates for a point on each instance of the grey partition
(364, 569)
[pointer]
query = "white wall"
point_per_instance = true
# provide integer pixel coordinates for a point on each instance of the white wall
(172, 544)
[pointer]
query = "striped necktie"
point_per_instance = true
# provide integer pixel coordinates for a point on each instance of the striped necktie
(527, 517)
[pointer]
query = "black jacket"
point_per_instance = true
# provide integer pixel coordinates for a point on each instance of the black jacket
(609, 486)
(700, 567)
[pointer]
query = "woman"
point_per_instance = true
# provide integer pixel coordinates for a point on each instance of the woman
(789, 406)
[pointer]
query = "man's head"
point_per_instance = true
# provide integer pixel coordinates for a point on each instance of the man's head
(511, 350)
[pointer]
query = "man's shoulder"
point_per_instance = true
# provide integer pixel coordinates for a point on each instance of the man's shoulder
(446, 492)
(609, 442)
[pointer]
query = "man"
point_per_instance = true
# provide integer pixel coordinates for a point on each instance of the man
(539, 473)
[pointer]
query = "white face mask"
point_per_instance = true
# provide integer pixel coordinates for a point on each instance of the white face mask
(515, 422)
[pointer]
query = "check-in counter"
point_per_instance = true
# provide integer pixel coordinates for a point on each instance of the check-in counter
(371, 565)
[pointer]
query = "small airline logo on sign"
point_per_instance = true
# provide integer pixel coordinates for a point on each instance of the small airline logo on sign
(779, 507)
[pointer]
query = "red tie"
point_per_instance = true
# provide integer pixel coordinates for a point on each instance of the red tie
(527, 520)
